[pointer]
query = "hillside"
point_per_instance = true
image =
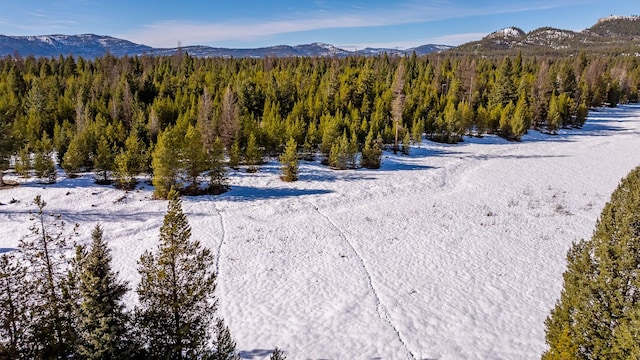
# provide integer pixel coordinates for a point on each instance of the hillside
(608, 35)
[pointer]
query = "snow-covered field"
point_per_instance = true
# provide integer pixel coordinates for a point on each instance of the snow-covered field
(455, 252)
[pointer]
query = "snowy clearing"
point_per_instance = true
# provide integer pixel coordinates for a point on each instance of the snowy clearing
(455, 252)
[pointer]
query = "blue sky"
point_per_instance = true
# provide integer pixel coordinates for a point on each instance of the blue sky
(349, 24)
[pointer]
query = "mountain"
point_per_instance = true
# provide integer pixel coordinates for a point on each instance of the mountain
(86, 45)
(614, 33)
(91, 46)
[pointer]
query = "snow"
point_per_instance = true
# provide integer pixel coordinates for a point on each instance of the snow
(454, 252)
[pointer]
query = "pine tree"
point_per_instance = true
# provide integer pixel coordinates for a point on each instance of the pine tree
(73, 158)
(218, 182)
(130, 161)
(554, 116)
(289, 161)
(581, 114)
(6, 146)
(23, 162)
(15, 317)
(176, 290)
(277, 355)
(103, 163)
(599, 307)
(520, 120)
(371, 153)
(101, 317)
(53, 333)
(165, 163)
(43, 162)
(338, 156)
(235, 155)
(253, 157)
(225, 346)
(406, 143)
(194, 158)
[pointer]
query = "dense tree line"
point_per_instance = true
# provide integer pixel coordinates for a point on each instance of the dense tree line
(183, 119)
(598, 313)
(53, 307)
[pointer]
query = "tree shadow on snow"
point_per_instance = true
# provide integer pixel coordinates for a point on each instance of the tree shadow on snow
(247, 193)
(255, 354)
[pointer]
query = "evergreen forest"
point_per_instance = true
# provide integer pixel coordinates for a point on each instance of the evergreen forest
(184, 121)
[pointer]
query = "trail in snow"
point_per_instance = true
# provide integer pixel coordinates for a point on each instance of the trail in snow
(380, 309)
(222, 238)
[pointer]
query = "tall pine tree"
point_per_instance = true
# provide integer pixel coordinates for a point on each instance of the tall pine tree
(599, 307)
(176, 291)
(53, 332)
(101, 318)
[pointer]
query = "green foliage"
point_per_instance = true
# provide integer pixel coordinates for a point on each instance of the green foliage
(104, 161)
(406, 143)
(23, 162)
(371, 153)
(235, 155)
(100, 316)
(289, 161)
(313, 101)
(194, 158)
(218, 182)
(74, 158)
(15, 298)
(277, 355)
(165, 163)
(253, 155)
(339, 154)
(43, 162)
(225, 346)
(597, 314)
(51, 326)
(176, 290)
(130, 162)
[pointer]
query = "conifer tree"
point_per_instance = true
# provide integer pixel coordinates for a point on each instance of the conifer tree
(23, 162)
(338, 157)
(53, 333)
(218, 182)
(194, 157)
(43, 162)
(406, 143)
(598, 311)
(581, 114)
(371, 153)
(6, 147)
(103, 163)
(101, 317)
(554, 116)
(253, 157)
(130, 161)
(225, 345)
(73, 158)
(235, 155)
(277, 355)
(176, 291)
(289, 161)
(165, 163)
(15, 316)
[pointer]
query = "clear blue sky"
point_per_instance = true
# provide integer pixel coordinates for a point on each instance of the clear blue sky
(346, 23)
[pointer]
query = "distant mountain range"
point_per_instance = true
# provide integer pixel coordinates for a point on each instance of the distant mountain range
(614, 33)
(91, 46)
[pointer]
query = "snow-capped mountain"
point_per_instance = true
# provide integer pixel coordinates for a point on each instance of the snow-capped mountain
(91, 46)
(608, 33)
